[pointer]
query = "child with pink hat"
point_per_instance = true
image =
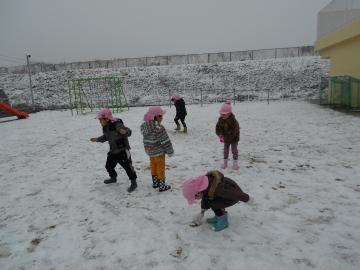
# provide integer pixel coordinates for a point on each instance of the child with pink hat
(156, 143)
(180, 112)
(216, 192)
(228, 130)
(116, 133)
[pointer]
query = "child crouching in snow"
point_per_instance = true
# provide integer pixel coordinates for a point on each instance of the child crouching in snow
(156, 143)
(216, 192)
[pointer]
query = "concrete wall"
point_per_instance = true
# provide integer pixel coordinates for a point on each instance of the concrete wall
(136, 62)
(177, 60)
(264, 54)
(241, 56)
(287, 52)
(157, 61)
(219, 57)
(307, 51)
(169, 60)
(198, 58)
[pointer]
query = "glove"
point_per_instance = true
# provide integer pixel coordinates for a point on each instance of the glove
(221, 138)
(198, 219)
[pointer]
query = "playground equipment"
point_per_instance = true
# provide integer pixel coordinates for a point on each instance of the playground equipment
(87, 94)
(10, 110)
(344, 92)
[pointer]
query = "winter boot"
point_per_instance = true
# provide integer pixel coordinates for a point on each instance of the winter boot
(177, 127)
(110, 180)
(224, 166)
(221, 223)
(163, 186)
(235, 165)
(133, 186)
(155, 181)
(251, 201)
(185, 130)
(212, 220)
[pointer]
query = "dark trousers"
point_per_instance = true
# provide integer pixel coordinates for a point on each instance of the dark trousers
(234, 150)
(182, 119)
(219, 211)
(124, 159)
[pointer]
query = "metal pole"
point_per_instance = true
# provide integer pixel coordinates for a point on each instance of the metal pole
(31, 91)
(71, 107)
(320, 93)
(170, 97)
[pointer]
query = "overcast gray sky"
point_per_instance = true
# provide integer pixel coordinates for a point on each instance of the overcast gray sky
(80, 30)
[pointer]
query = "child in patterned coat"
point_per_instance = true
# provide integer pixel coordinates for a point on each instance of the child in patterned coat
(156, 143)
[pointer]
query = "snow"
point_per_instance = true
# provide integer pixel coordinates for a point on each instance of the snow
(297, 77)
(298, 160)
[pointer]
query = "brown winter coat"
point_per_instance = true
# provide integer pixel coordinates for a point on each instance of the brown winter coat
(229, 128)
(222, 192)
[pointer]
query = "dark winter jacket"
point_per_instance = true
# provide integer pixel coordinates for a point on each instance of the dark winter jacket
(180, 108)
(118, 142)
(229, 128)
(222, 192)
(156, 140)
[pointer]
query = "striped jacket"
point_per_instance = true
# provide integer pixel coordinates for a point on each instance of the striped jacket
(156, 140)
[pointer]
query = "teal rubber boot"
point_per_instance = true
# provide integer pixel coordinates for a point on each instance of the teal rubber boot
(222, 223)
(212, 220)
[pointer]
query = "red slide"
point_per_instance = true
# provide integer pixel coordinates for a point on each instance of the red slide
(10, 110)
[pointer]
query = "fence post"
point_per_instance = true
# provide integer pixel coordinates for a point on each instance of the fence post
(170, 97)
(234, 96)
(268, 90)
(248, 91)
(71, 107)
(201, 97)
(320, 93)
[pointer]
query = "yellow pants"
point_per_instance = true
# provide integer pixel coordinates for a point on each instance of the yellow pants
(157, 167)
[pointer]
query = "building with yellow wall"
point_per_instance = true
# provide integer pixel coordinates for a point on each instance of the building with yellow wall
(339, 40)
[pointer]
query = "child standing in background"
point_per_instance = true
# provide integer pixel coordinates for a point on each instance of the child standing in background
(116, 133)
(228, 130)
(216, 192)
(180, 112)
(156, 143)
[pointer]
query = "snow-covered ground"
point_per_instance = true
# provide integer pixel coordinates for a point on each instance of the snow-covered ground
(299, 161)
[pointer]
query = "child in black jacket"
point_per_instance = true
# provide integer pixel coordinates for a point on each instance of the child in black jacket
(115, 132)
(180, 112)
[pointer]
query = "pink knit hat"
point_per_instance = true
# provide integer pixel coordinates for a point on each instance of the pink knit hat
(194, 185)
(156, 110)
(105, 113)
(148, 117)
(225, 108)
(175, 97)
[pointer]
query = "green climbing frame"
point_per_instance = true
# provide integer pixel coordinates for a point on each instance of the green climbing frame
(88, 94)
